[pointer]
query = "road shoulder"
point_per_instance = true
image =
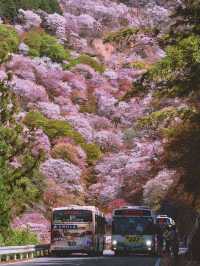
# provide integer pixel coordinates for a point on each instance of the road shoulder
(180, 261)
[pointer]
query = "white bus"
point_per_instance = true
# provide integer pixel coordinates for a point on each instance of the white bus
(77, 229)
(134, 230)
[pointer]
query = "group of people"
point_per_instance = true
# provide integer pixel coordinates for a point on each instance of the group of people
(168, 239)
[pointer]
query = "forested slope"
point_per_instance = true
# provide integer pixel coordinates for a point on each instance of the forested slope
(99, 105)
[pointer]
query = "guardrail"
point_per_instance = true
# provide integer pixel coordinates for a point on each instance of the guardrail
(23, 252)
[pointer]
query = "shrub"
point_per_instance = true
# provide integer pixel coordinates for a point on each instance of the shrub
(121, 35)
(53, 128)
(137, 89)
(90, 106)
(20, 237)
(65, 151)
(90, 177)
(9, 41)
(139, 65)
(59, 128)
(154, 120)
(93, 152)
(129, 135)
(43, 44)
(9, 8)
(87, 60)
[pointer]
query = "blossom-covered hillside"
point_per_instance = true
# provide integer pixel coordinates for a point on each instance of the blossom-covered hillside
(85, 75)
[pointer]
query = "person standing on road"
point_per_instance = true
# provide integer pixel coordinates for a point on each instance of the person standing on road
(175, 241)
(159, 232)
(167, 237)
(171, 240)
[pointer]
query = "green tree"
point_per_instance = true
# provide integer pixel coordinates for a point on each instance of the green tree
(9, 8)
(20, 185)
(178, 75)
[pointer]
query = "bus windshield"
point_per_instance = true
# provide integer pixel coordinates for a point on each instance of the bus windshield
(61, 216)
(133, 226)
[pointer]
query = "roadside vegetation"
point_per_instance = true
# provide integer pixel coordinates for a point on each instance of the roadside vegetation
(21, 183)
(16, 237)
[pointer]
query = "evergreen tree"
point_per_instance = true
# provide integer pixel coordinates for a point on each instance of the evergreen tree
(8, 9)
(20, 185)
(178, 75)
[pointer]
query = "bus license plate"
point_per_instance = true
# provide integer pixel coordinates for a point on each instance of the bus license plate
(66, 226)
(134, 239)
(71, 243)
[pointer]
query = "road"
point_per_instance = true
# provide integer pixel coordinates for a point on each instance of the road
(91, 261)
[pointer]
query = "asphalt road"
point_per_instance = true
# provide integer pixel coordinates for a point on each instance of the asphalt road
(91, 261)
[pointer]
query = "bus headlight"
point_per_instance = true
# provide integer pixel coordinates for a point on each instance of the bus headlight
(114, 242)
(148, 243)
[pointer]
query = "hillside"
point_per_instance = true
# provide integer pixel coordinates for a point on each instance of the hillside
(107, 110)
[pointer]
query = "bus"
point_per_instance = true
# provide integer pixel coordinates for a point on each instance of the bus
(134, 230)
(77, 229)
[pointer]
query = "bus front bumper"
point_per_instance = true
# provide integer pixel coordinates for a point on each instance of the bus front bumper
(123, 248)
(73, 249)
(133, 249)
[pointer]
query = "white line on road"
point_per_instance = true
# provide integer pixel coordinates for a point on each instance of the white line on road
(157, 262)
